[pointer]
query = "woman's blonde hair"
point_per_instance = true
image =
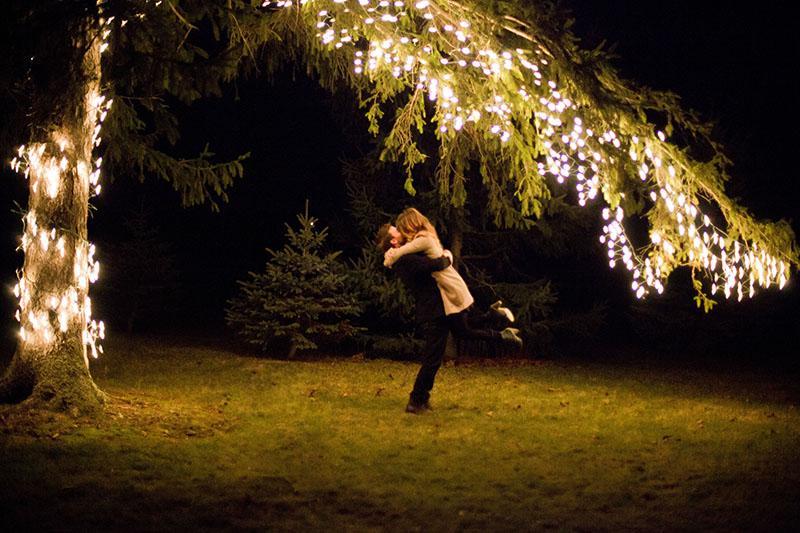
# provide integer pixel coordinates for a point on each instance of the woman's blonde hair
(411, 222)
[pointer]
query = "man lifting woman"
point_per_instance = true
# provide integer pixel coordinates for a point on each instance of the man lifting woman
(443, 302)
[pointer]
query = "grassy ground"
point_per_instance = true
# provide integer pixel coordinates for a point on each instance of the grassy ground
(199, 438)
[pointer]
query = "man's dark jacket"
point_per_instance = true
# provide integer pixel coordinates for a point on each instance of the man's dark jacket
(415, 271)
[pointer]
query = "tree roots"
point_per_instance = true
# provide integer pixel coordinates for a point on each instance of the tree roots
(69, 390)
(17, 383)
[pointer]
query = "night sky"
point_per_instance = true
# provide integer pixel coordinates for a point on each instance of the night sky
(731, 63)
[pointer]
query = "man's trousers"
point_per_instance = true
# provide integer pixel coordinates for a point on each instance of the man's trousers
(434, 333)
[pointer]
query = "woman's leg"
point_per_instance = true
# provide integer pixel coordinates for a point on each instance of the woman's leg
(491, 318)
(461, 328)
(495, 316)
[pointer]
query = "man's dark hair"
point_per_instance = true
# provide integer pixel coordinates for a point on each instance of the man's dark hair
(383, 241)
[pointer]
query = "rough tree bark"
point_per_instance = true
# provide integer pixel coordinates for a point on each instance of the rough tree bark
(50, 365)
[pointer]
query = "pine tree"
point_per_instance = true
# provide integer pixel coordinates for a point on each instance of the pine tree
(495, 263)
(58, 91)
(505, 80)
(299, 298)
(509, 83)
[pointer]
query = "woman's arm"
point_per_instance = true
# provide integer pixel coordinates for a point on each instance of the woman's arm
(420, 244)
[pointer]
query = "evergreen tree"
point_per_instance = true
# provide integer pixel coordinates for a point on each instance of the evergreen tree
(300, 297)
(374, 197)
(504, 80)
(518, 266)
(58, 91)
(507, 84)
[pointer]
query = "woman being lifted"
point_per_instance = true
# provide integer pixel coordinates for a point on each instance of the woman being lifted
(420, 237)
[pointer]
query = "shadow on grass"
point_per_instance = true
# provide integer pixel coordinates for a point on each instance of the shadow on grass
(113, 488)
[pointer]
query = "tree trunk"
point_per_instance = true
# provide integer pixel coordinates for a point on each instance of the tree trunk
(292, 350)
(51, 364)
(456, 234)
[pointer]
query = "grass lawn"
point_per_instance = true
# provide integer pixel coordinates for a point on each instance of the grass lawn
(200, 438)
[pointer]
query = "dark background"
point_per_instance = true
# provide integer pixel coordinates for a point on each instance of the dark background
(729, 62)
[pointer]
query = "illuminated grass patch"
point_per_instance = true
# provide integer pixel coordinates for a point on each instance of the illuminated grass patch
(205, 438)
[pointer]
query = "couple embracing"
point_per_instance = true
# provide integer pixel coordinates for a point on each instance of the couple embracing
(443, 303)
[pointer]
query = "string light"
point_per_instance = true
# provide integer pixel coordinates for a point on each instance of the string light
(424, 44)
(44, 314)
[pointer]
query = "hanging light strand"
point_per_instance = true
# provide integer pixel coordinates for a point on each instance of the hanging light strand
(473, 82)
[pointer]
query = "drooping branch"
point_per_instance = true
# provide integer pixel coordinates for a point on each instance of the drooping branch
(534, 109)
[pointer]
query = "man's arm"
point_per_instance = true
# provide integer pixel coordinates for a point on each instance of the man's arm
(419, 264)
